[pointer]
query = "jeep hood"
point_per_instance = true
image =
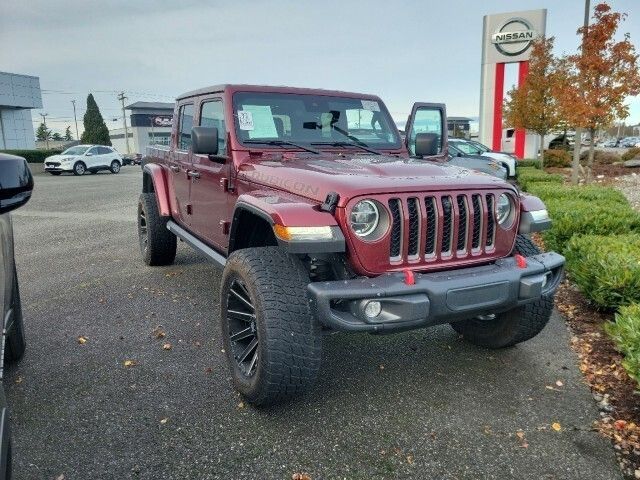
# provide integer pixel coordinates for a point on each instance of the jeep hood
(353, 175)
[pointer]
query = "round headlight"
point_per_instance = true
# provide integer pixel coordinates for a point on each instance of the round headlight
(504, 210)
(364, 218)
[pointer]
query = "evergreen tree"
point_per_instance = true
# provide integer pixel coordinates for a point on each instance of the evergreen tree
(95, 130)
(43, 133)
(56, 136)
(67, 134)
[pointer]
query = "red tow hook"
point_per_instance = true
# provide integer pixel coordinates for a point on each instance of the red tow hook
(409, 278)
(520, 261)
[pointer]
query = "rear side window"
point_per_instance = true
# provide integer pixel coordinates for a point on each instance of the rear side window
(212, 115)
(104, 151)
(184, 127)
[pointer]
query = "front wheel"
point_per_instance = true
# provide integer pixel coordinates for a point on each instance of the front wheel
(271, 338)
(513, 326)
(115, 166)
(79, 168)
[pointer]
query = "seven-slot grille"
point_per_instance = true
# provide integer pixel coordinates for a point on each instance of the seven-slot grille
(441, 226)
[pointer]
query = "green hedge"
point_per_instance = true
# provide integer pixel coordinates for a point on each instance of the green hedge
(529, 175)
(528, 162)
(33, 156)
(631, 154)
(606, 268)
(584, 217)
(626, 334)
(546, 191)
(557, 158)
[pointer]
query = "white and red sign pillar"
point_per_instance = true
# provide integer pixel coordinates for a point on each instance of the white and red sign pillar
(507, 38)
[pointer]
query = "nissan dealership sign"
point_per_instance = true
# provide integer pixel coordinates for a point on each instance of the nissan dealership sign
(507, 37)
(514, 37)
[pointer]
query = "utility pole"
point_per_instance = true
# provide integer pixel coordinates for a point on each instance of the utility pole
(73, 102)
(44, 120)
(577, 144)
(122, 98)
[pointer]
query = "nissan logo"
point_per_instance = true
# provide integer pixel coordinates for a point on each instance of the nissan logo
(514, 37)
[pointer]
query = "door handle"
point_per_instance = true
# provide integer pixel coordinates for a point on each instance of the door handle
(175, 168)
(193, 174)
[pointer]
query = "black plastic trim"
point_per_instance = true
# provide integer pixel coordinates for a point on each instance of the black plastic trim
(196, 243)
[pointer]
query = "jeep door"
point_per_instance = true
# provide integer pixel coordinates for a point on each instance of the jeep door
(209, 195)
(429, 119)
(180, 163)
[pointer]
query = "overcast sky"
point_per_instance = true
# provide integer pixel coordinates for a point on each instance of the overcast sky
(404, 51)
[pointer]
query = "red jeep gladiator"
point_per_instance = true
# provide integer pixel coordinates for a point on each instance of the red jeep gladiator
(322, 218)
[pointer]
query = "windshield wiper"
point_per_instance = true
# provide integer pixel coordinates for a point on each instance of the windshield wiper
(348, 144)
(281, 143)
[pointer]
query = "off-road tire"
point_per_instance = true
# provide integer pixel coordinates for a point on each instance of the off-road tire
(115, 167)
(514, 326)
(157, 244)
(79, 168)
(15, 344)
(289, 337)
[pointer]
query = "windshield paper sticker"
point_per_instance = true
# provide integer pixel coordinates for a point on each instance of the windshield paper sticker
(370, 105)
(245, 119)
(263, 125)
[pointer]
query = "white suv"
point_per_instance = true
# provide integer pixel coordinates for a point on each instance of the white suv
(84, 158)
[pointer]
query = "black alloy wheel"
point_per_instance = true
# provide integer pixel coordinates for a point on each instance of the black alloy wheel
(242, 328)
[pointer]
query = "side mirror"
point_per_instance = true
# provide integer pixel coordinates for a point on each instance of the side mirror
(88, 154)
(16, 182)
(204, 140)
(427, 144)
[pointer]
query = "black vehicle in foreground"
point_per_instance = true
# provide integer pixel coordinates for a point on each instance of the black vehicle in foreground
(16, 184)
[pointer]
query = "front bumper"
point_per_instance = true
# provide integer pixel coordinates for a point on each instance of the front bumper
(58, 168)
(435, 298)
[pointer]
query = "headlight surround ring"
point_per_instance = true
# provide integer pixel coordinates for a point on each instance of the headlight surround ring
(364, 218)
(505, 210)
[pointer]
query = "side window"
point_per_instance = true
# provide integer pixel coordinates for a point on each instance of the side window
(94, 151)
(104, 151)
(426, 120)
(184, 127)
(212, 115)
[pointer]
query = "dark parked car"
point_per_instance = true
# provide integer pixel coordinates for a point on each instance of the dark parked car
(16, 184)
(476, 162)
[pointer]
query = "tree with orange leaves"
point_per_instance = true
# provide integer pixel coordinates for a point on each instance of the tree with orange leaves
(533, 105)
(601, 76)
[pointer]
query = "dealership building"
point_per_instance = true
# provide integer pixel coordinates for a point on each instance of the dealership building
(149, 123)
(19, 94)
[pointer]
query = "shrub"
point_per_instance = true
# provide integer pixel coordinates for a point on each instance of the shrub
(32, 156)
(631, 154)
(606, 268)
(625, 332)
(528, 162)
(530, 175)
(546, 190)
(557, 158)
(602, 157)
(584, 217)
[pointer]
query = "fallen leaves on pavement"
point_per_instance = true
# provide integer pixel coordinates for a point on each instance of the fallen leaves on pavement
(164, 420)
(82, 340)
(556, 426)
(166, 346)
(158, 332)
(300, 476)
(130, 363)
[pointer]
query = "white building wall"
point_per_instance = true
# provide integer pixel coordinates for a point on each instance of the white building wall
(16, 129)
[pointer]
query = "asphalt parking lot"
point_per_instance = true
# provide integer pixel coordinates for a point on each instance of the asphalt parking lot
(422, 404)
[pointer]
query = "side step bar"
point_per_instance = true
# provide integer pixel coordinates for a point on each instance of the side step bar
(196, 244)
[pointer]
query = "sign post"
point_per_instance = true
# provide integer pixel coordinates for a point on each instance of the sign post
(506, 38)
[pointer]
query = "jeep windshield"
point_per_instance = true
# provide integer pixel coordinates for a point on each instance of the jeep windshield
(273, 119)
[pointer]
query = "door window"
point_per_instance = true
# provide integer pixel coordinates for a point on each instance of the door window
(184, 127)
(94, 151)
(426, 120)
(212, 115)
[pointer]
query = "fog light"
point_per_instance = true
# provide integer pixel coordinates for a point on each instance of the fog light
(372, 309)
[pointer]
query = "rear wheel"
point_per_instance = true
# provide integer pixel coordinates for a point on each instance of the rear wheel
(115, 166)
(15, 343)
(157, 244)
(79, 168)
(514, 326)
(271, 338)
